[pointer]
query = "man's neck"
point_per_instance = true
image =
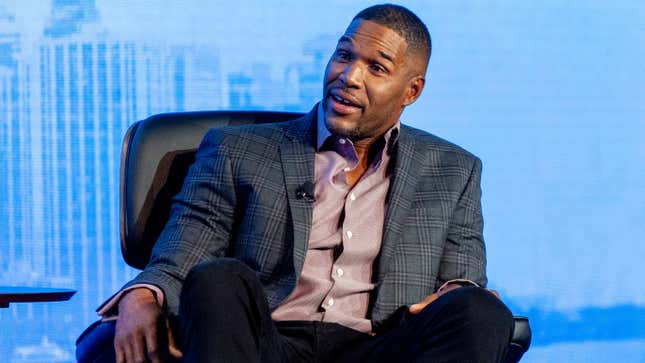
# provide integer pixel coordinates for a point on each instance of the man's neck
(365, 150)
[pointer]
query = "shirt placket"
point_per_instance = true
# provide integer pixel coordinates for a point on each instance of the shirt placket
(340, 271)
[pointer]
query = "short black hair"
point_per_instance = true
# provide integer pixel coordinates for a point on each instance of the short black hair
(404, 22)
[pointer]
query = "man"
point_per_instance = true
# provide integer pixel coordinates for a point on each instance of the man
(342, 235)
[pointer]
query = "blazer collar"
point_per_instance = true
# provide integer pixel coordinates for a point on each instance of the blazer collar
(303, 129)
(297, 154)
(406, 163)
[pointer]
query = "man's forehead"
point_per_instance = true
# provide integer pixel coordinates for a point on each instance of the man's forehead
(368, 32)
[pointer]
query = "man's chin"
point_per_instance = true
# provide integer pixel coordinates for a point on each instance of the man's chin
(340, 126)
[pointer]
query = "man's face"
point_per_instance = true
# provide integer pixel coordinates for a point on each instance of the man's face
(369, 79)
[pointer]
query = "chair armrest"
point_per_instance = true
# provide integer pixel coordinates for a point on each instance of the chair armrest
(520, 341)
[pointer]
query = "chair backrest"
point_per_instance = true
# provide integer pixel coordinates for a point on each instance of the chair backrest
(155, 158)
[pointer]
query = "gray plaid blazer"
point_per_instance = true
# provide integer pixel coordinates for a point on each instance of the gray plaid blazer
(239, 200)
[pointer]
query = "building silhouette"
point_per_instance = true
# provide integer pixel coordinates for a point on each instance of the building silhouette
(66, 100)
(65, 104)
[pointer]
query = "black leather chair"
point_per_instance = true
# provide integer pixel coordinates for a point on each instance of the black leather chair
(156, 155)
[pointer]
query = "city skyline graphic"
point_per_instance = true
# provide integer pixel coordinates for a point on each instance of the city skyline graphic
(66, 102)
(73, 79)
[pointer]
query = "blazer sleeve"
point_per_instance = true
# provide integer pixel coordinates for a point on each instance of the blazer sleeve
(200, 223)
(464, 255)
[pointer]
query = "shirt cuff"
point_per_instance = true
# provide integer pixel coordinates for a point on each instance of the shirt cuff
(461, 282)
(109, 310)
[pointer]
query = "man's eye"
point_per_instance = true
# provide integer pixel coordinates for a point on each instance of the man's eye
(342, 54)
(377, 68)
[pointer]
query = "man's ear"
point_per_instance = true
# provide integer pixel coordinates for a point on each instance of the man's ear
(414, 90)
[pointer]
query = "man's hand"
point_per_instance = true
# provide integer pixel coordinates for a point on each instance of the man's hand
(137, 328)
(418, 307)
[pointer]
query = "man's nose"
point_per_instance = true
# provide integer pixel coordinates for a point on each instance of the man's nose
(352, 75)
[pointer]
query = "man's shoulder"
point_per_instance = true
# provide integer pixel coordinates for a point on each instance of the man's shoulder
(430, 143)
(270, 131)
(250, 135)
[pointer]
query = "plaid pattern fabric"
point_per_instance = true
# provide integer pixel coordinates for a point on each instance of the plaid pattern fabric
(239, 200)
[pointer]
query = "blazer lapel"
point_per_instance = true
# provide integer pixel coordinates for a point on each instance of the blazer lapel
(297, 156)
(407, 163)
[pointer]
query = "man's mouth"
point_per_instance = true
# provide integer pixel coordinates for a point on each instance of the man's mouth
(343, 105)
(344, 101)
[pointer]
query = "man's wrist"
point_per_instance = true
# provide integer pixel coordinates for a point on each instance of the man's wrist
(109, 310)
(140, 293)
(458, 282)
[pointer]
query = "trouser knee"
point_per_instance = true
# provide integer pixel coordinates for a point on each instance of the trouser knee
(480, 310)
(465, 324)
(220, 282)
(216, 273)
(222, 310)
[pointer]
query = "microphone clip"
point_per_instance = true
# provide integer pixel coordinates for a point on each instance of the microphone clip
(305, 192)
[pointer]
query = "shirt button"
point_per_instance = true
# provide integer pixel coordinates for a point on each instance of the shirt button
(349, 234)
(342, 141)
(347, 169)
(340, 272)
(330, 302)
(352, 196)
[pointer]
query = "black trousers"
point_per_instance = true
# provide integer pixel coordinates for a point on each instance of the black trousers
(224, 317)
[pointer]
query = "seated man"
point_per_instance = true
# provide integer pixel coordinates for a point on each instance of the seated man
(340, 236)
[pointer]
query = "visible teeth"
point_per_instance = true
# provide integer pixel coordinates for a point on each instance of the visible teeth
(342, 100)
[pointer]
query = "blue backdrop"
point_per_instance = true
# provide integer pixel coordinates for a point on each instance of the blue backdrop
(549, 94)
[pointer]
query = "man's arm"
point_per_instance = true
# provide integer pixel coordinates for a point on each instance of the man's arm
(200, 222)
(198, 229)
(464, 258)
(109, 310)
(464, 255)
